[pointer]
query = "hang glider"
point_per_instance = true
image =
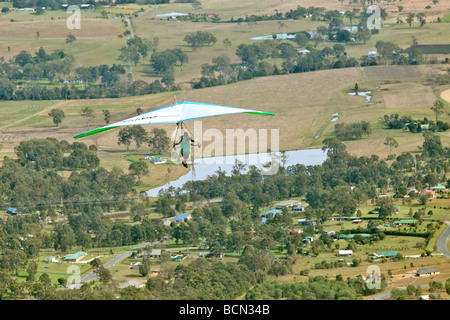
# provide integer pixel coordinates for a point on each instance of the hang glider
(176, 113)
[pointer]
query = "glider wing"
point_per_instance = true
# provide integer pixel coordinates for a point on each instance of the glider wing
(179, 112)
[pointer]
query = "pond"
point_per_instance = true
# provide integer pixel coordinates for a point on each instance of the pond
(208, 166)
(366, 94)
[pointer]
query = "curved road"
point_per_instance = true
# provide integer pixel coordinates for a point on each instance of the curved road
(442, 241)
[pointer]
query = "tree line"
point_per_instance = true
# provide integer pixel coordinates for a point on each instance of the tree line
(19, 79)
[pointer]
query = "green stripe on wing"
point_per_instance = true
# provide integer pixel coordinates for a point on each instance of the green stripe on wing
(92, 132)
(259, 112)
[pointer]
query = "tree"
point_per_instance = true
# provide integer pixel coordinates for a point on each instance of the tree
(350, 15)
(23, 58)
(154, 43)
(438, 108)
(227, 43)
(57, 115)
(301, 39)
(107, 116)
(139, 135)
(125, 137)
(421, 18)
(387, 49)
(164, 61)
(410, 18)
(70, 39)
(158, 140)
(432, 145)
(391, 143)
(281, 25)
(89, 114)
(139, 169)
(364, 35)
(144, 267)
(200, 39)
(104, 274)
(96, 263)
(343, 35)
(181, 56)
(196, 5)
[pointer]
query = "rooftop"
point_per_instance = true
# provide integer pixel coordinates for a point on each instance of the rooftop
(271, 211)
(181, 217)
(74, 256)
(426, 271)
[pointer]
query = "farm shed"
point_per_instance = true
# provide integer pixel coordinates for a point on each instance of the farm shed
(385, 255)
(287, 203)
(426, 272)
(405, 221)
(74, 257)
(344, 253)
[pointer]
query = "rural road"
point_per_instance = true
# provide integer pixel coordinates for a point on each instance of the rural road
(111, 263)
(442, 241)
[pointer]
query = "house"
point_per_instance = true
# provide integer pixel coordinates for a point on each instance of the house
(307, 240)
(304, 222)
(304, 52)
(26, 9)
(271, 211)
(331, 233)
(12, 211)
(288, 203)
(136, 265)
(426, 272)
(291, 232)
(439, 187)
(385, 255)
(357, 221)
(155, 253)
(85, 6)
(74, 257)
(158, 160)
(345, 253)
(424, 297)
(298, 209)
(405, 221)
(172, 15)
(181, 217)
(372, 54)
(428, 192)
(51, 259)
